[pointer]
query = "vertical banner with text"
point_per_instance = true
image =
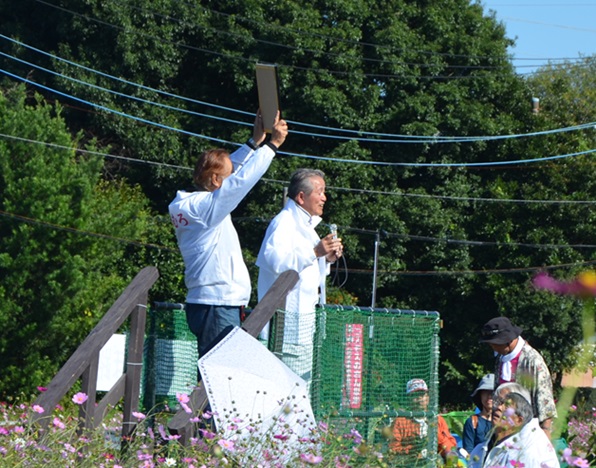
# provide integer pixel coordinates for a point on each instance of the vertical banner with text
(353, 360)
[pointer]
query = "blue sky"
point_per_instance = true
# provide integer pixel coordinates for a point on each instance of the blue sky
(547, 29)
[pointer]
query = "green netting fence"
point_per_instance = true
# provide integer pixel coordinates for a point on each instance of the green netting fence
(362, 359)
(358, 361)
(170, 357)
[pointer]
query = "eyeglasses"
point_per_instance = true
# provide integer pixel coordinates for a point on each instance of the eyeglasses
(489, 333)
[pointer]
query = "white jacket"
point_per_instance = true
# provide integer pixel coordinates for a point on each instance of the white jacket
(215, 272)
(531, 447)
(289, 245)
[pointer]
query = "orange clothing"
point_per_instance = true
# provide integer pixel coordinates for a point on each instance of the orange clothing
(410, 435)
(446, 441)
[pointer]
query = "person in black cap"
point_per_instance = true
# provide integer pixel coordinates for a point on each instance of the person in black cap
(517, 361)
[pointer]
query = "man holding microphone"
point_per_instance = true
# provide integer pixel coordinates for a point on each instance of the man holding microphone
(291, 243)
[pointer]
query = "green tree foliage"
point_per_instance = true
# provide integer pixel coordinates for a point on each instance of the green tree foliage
(404, 75)
(63, 234)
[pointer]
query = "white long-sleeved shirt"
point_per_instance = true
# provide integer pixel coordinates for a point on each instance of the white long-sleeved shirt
(530, 447)
(289, 245)
(215, 272)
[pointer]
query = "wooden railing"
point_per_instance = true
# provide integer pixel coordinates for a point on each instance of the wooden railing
(85, 360)
(258, 318)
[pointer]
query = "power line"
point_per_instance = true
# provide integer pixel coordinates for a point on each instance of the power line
(541, 23)
(439, 240)
(411, 140)
(218, 31)
(302, 155)
(83, 232)
(243, 59)
(379, 137)
(33, 221)
(96, 153)
(329, 187)
(352, 42)
(490, 271)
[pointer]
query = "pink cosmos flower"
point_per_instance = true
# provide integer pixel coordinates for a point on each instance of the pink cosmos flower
(162, 432)
(207, 434)
(138, 415)
(80, 398)
(42, 389)
(38, 409)
(581, 463)
(185, 407)
(567, 456)
(356, 435)
(584, 285)
(311, 458)
(517, 464)
(57, 423)
(182, 398)
(226, 444)
(509, 412)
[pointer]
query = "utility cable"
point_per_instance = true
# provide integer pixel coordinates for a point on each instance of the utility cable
(244, 59)
(303, 33)
(410, 140)
(29, 220)
(329, 187)
(401, 137)
(219, 31)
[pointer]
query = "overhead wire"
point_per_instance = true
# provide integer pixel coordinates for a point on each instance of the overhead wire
(243, 59)
(329, 187)
(219, 31)
(386, 235)
(59, 227)
(354, 42)
(396, 138)
(302, 155)
(29, 220)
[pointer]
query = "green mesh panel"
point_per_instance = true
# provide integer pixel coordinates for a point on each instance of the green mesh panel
(362, 359)
(170, 356)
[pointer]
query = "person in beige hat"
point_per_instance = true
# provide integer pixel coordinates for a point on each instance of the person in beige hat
(409, 434)
(478, 426)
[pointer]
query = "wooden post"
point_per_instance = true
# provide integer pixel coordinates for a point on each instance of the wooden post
(89, 387)
(84, 361)
(134, 366)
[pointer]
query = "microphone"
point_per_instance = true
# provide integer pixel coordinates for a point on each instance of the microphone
(333, 230)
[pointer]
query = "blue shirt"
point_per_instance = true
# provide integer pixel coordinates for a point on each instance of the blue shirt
(472, 437)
